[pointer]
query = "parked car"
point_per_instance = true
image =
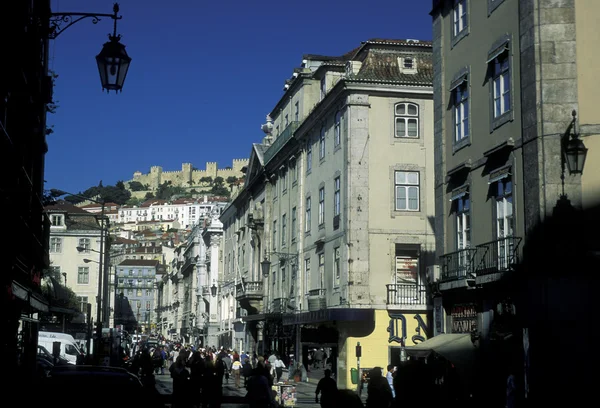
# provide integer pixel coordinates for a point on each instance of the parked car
(96, 386)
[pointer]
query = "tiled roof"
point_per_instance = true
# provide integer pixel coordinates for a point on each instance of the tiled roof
(153, 201)
(121, 240)
(139, 262)
(382, 65)
(62, 206)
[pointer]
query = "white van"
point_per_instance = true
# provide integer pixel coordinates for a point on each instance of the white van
(68, 346)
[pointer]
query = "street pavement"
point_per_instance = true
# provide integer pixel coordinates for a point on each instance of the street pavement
(305, 391)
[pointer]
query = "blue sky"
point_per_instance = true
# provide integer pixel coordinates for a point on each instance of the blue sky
(203, 77)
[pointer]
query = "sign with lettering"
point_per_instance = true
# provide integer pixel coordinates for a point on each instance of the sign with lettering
(464, 318)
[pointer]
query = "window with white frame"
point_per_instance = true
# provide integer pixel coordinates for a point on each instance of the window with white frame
(459, 17)
(308, 215)
(463, 222)
(501, 85)
(323, 87)
(406, 190)
(56, 220)
(322, 143)
(56, 245)
(294, 224)
(283, 229)
(83, 301)
(407, 120)
(336, 266)
(283, 180)
(274, 235)
(138, 292)
(308, 155)
(504, 221)
(336, 197)
(321, 205)
(147, 305)
(461, 112)
(337, 133)
(307, 275)
(84, 245)
(294, 171)
(83, 275)
(322, 271)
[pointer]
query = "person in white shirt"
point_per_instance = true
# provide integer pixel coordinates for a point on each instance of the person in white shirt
(279, 366)
(390, 378)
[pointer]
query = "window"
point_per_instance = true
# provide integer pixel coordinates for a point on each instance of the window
(321, 205)
(56, 245)
(459, 17)
(56, 220)
(307, 275)
(296, 112)
(283, 273)
(138, 292)
(308, 156)
(337, 131)
(83, 275)
(283, 229)
(83, 301)
(283, 180)
(409, 63)
(294, 170)
(293, 226)
(463, 222)
(407, 190)
(336, 266)
(323, 87)
(85, 244)
(287, 121)
(322, 144)
(461, 112)
(501, 84)
(504, 208)
(322, 271)
(336, 196)
(274, 235)
(147, 305)
(407, 120)
(308, 215)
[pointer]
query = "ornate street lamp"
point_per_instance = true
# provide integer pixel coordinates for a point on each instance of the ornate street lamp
(574, 150)
(113, 61)
(213, 290)
(265, 267)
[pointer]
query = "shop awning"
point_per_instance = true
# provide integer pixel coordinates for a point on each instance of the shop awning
(454, 347)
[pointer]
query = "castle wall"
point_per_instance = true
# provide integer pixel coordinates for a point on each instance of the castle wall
(183, 177)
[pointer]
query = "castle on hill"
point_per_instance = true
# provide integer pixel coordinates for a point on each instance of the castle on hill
(188, 176)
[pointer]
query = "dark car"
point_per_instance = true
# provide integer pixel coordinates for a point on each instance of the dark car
(76, 386)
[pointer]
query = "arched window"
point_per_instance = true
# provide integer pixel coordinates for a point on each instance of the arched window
(407, 120)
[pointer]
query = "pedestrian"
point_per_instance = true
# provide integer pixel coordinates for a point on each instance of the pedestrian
(181, 377)
(259, 393)
(327, 387)
(279, 366)
(246, 370)
(236, 370)
(379, 392)
(389, 376)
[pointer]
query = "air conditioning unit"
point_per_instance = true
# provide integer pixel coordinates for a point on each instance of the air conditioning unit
(433, 273)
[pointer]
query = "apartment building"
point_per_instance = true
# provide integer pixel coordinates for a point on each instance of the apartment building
(332, 232)
(515, 113)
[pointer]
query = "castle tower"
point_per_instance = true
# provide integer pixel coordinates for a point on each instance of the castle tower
(211, 169)
(155, 177)
(186, 174)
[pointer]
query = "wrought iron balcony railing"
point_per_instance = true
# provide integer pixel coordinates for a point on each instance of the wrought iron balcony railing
(317, 299)
(280, 305)
(458, 265)
(249, 288)
(281, 140)
(402, 294)
(497, 256)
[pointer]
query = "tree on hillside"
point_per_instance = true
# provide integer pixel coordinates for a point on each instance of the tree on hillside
(149, 195)
(219, 181)
(134, 201)
(220, 190)
(136, 186)
(120, 185)
(107, 193)
(207, 180)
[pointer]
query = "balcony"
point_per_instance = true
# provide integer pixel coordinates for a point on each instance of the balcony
(317, 299)
(250, 295)
(281, 140)
(457, 269)
(280, 305)
(495, 258)
(406, 296)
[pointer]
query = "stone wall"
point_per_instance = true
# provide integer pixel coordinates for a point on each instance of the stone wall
(187, 176)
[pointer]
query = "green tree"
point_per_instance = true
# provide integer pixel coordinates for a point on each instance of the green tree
(207, 180)
(134, 201)
(120, 185)
(220, 190)
(136, 186)
(149, 195)
(219, 181)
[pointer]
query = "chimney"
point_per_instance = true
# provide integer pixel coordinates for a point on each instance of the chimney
(352, 67)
